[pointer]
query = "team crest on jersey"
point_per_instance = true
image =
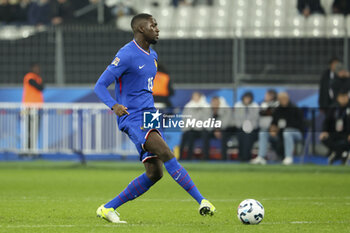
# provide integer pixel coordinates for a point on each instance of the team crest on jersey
(155, 63)
(116, 61)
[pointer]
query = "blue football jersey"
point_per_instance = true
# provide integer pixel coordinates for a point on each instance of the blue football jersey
(134, 70)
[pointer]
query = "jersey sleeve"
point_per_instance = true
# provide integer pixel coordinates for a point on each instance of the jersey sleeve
(38, 86)
(120, 64)
(106, 79)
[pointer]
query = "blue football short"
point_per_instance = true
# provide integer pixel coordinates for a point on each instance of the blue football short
(132, 125)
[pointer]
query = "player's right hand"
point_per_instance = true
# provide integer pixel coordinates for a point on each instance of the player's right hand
(120, 110)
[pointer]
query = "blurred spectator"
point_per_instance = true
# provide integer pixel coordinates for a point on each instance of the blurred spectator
(45, 12)
(267, 108)
(341, 7)
(32, 93)
(221, 111)
(62, 11)
(285, 130)
(197, 108)
(162, 88)
(8, 11)
(309, 7)
(22, 13)
(33, 86)
(246, 116)
(39, 12)
(336, 128)
(326, 93)
(342, 79)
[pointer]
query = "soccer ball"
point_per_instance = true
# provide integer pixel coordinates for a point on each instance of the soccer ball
(250, 211)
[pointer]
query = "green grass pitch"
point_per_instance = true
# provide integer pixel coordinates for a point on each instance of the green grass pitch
(63, 197)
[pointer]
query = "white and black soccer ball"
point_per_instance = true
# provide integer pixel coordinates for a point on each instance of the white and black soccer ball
(250, 211)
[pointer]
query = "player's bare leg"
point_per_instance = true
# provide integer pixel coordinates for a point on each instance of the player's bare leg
(156, 145)
(154, 169)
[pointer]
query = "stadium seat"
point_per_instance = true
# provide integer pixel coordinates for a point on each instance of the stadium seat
(291, 8)
(295, 26)
(183, 16)
(275, 26)
(143, 6)
(201, 16)
(315, 26)
(123, 23)
(335, 26)
(228, 4)
(200, 33)
(219, 26)
(276, 18)
(276, 10)
(182, 33)
(26, 31)
(277, 4)
(257, 18)
(200, 21)
(183, 21)
(149, 10)
(9, 32)
(239, 18)
(164, 17)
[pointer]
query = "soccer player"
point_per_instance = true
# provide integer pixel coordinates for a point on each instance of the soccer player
(133, 70)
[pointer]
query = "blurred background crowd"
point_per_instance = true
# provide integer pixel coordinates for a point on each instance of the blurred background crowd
(46, 12)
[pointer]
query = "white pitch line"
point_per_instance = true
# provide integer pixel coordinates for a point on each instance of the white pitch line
(305, 222)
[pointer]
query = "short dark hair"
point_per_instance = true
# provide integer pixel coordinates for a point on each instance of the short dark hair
(273, 92)
(333, 59)
(343, 91)
(248, 94)
(137, 18)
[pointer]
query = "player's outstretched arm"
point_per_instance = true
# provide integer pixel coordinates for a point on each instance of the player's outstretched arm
(106, 79)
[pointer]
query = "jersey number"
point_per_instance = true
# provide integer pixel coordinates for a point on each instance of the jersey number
(150, 83)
